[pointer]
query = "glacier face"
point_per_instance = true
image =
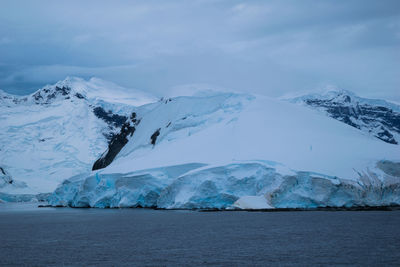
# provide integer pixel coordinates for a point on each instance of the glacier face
(249, 185)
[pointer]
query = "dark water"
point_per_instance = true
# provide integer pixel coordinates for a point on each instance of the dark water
(83, 237)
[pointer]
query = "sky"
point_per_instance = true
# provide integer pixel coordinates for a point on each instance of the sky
(264, 47)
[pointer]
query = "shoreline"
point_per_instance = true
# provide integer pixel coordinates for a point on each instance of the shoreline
(353, 208)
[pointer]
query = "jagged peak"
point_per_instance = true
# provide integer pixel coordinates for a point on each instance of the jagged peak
(343, 96)
(73, 85)
(325, 93)
(336, 95)
(93, 89)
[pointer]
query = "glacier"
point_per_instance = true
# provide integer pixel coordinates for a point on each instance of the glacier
(244, 185)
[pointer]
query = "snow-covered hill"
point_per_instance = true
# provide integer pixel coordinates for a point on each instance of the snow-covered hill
(222, 150)
(373, 116)
(59, 130)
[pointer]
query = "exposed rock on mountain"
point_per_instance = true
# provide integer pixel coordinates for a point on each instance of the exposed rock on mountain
(375, 117)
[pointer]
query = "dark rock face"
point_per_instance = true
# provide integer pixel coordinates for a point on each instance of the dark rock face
(117, 142)
(78, 95)
(114, 121)
(6, 178)
(154, 136)
(110, 118)
(379, 121)
(43, 96)
(48, 95)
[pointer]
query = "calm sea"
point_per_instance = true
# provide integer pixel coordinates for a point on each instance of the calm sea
(31, 236)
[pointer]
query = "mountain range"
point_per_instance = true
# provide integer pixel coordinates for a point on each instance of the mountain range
(95, 144)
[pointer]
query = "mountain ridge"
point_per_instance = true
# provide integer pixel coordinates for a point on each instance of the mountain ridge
(376, 117)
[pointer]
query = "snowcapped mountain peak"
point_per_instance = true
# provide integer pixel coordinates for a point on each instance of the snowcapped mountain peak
(95, 89)
(64, 127)
(343, 96)
(340, 95)
(377, 117)
(67, 82)
(51, 93)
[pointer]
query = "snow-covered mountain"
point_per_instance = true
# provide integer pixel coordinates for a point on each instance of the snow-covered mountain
(113, 147)
(224, 150)
(376, 117)
(59, 131)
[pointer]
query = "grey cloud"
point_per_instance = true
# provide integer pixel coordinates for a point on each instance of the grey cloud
(268, 47)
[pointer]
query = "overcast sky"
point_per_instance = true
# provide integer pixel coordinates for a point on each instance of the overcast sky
(267, 47)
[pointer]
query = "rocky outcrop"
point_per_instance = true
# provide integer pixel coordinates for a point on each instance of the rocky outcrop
(375, 117)
(47, 95)
(7, 182)
(154, 136)
(117, 142)
(5, 178)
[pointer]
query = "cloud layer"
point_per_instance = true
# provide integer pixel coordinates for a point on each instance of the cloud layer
(267, 47)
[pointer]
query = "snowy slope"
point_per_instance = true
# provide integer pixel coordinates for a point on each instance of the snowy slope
(59, 130)
(235, 150)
